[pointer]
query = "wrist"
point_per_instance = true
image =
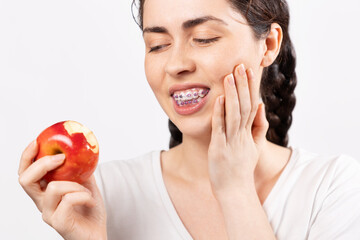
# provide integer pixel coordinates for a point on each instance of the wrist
(101, 237)
(236, 193)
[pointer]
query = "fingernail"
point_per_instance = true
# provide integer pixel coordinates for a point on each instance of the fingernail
(33, 143)
(231, 79)
(241, 70)
(59, 157)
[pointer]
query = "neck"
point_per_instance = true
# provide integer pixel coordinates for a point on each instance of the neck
(190, 160)
(193, 163)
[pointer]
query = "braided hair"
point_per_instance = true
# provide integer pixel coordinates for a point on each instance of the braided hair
(278, 80)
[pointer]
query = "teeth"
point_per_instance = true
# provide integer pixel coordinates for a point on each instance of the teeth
(187, 97)
(202, 93)
(182, 96)
(190, 94)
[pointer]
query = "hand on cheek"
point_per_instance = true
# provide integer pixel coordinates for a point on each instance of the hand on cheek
(239, 129)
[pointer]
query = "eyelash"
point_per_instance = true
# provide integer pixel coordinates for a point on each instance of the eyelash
(154, 49)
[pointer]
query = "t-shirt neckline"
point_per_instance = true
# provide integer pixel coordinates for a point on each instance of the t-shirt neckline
(282, 177)
(170, 208)
(165, 197)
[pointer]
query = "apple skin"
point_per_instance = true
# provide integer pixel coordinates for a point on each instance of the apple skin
(72, 139)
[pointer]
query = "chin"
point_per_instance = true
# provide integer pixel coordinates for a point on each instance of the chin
(197, 125)
(194, 127)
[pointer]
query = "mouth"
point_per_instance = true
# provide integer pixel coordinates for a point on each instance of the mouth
(190, 101)
(189, 96)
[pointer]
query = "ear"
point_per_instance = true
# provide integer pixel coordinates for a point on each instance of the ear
(272, 44)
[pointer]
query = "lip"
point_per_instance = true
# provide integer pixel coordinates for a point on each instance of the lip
(184, 86)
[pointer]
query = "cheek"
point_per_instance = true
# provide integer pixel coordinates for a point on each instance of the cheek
(153, 74)
(154, 71)
(222, 61)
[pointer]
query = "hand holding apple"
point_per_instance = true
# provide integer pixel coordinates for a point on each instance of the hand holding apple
(75, 211)
(79, 145)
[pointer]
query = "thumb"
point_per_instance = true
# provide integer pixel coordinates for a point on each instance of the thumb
(260, 125)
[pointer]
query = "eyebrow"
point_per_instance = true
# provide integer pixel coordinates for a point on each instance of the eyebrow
(186, 25)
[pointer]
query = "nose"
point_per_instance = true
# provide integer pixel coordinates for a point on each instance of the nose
(179, 63)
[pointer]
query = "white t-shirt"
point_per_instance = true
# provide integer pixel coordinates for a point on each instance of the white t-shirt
(316, 197)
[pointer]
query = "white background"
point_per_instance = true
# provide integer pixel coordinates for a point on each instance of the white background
(84, 60)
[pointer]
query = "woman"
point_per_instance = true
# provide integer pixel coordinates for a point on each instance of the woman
(228, 173)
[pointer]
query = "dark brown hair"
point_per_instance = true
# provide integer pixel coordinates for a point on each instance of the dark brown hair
(278, 81)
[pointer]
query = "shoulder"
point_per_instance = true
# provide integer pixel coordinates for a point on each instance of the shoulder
(140, 165)
(315, 179)
(336, 168)
(328, 180)
(134, 164)
(323, 191)
(340, 176)
(335, 180)
(118, 177)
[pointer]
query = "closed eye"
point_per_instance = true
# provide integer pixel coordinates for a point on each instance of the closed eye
(206, 40)
(203, 41)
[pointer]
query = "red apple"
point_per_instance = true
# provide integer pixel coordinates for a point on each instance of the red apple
(79, 145)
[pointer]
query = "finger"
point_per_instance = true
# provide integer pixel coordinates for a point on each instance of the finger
(78, 198)
(29, 179)
(92, 186)
(27, 156)
(232, 107)
(54, 195)
(254, 96)
(218, 123)
(244, 94)
(71, 200)
(260, 126)
(65, 209)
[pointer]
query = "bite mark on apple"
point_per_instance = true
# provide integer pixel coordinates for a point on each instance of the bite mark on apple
(74, 127)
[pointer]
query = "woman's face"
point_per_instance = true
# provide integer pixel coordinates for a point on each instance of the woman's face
(181, 58)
